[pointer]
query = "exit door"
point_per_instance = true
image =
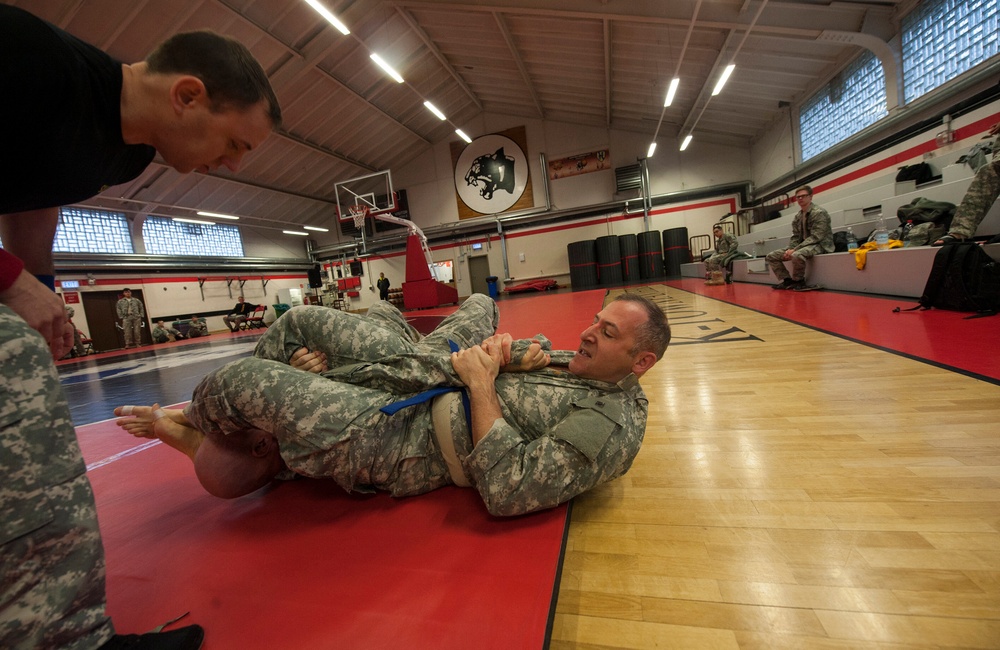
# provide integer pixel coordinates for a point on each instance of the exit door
(102, 318)
(479, 270)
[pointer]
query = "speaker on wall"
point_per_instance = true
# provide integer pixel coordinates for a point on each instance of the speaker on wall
(315, 278)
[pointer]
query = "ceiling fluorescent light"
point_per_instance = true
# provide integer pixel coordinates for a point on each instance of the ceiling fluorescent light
(687, 141)
(462, 135)
(652, 149)
(218, 216)
(388, 68)
(316, 228)
(434, 109)
(671, 91)
(204, 223)
(723, 79)
(323, 11)
(295, 232)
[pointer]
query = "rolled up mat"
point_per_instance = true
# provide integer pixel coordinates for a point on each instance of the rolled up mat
(650, 255)
(675, 250)
(582, 264)
(629, 247)
(609, 260)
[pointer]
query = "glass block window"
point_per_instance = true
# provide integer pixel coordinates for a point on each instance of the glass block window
(168, 237)
(944, 38)
(82, 230)
(850, 102)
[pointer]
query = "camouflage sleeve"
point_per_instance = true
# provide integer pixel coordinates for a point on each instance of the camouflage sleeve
(120, 308)
(519, 347)
(142, 310)
(595, 443)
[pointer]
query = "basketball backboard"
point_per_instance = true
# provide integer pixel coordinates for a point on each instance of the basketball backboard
(373, 191)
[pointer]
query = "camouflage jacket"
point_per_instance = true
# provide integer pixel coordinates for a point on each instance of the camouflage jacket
(812, 228)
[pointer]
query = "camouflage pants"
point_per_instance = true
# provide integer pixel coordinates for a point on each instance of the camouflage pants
(799, 257)
(978, 200)
(331, 425)
(132, 329)
(52, 560)
(718, 261)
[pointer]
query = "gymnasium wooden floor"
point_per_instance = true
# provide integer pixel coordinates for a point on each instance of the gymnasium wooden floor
(796, 488)
(817, 472)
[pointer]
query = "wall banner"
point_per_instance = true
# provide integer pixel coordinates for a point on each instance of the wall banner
(583, 163)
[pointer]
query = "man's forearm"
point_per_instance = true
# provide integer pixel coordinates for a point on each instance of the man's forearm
(485, 406)
(29, 235)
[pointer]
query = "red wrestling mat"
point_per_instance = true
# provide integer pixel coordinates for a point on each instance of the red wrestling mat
(304, 565)
(944, 338)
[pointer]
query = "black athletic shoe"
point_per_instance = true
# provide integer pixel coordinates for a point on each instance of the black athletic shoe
(796, 285)
(185, 638)
(784, 284)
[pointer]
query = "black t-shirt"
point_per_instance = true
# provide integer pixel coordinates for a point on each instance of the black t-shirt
(60, 118)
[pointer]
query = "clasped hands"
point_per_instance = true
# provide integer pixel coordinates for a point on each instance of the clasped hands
(486, 360)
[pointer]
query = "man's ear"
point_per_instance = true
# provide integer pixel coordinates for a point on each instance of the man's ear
(263, 444)
(643, 362)
(187, 92)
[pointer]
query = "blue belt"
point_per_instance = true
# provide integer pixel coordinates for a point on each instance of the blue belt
(427, 395)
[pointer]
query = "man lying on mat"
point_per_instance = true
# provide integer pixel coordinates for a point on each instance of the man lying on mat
(538, 428)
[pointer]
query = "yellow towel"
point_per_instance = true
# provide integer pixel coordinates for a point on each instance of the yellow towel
(861, 252)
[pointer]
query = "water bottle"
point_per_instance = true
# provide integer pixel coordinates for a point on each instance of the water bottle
(905, 235)
(882, 234)
(852, 241)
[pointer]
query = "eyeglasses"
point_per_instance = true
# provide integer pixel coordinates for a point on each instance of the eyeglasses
(799, 197)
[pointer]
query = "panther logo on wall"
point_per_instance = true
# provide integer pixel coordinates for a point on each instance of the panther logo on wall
(493, 171)
(491, 174)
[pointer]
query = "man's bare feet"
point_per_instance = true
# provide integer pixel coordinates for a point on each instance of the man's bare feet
(167, 425)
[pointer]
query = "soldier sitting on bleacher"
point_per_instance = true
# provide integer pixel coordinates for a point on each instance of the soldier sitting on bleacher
(978, 199)
(812, 234)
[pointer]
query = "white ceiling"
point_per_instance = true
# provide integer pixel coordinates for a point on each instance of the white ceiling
(604, 63)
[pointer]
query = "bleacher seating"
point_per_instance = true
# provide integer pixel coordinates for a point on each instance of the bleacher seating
(896, 272)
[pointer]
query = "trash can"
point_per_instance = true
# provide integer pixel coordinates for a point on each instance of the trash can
(280, 309)
(491, 283)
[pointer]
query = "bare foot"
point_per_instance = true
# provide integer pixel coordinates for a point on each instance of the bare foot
(167, 425)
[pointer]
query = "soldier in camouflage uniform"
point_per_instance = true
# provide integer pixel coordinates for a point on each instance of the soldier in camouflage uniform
(978, 199)
(51, 562)
(812, 234)
(537, 438)
(132, 314)
(55, 153)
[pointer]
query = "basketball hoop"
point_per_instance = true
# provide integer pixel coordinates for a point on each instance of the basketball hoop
(358, 213)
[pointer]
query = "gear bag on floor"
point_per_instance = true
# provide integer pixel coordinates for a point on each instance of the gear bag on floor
(963, 278)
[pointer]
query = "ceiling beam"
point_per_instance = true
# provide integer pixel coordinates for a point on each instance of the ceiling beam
(430, 45)
(505, 32)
